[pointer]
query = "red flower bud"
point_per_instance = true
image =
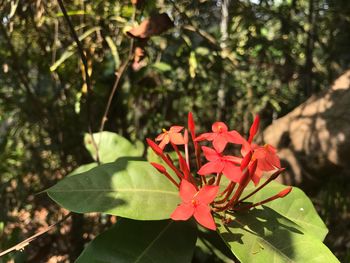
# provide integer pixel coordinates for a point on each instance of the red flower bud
(159, 167)
(285, 192)
(154, 146)
(254, 128)
(246, 160)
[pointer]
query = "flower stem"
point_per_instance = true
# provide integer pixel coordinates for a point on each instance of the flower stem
(272, 177)
(281, 194)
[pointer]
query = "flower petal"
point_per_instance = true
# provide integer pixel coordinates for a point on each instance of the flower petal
(203, 216)
(183, 212)
(209, 136)
(219, 143)
(211, 167)
(207, 194)
(175, 129)
(210, 154)
(232, 172)
(234, 137)
(160, 137)
(187, 191)
(176, 138)
(233, 159)
(219, 127)
(264, 165)
(274, 160)
(257, 176)
(165, 141)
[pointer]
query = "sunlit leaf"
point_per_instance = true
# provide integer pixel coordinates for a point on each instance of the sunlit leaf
(127, 188)
(263, 235)
(111, 146)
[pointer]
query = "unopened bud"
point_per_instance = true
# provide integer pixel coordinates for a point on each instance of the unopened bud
(246, 160)
(285, 192)
(159, 167)
(154, 146)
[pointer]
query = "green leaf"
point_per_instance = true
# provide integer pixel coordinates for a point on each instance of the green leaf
(143, 241)
(296, 206)
(111, 146)
(161, 66)
(72, 48)
(263, 235)
(127, 188)
(211, 248)
(83, 168)
(114, 52)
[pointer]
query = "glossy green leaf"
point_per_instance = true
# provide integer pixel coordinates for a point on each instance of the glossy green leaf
(263, 235)
(143, 241)
(83, 168)
(296, 206)
(111, 146)
(127, 188)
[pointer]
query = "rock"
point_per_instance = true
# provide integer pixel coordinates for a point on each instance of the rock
(314, 139)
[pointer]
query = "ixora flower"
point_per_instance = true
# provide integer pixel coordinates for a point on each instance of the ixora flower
(200, 197)
(221, 136)
(196, 203)
(218, 163)
(173, 135)
(265, 155)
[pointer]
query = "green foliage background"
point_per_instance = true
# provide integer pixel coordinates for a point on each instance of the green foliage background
(272, 56)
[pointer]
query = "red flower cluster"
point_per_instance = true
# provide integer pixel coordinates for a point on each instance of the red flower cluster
(199, 189)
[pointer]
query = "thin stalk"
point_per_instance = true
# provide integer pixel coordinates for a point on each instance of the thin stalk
(271, 178)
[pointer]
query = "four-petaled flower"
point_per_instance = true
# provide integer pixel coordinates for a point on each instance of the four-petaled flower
(221, 136)
(196, 203)
(266, 155)
(173, 135)
(218, 163)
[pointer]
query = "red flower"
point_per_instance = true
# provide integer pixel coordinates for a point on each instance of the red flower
(219, 163)
(173, 135)
(221, 136)
(196, 203)
(266, 155)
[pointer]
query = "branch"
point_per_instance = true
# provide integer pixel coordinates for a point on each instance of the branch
(79, 45)
(87, 76)
(26, 242)
(191, 27)
(119, 75)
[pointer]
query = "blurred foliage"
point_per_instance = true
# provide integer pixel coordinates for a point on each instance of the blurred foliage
(263, 56)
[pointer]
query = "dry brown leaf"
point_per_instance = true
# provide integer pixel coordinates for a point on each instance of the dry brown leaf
(155, 25)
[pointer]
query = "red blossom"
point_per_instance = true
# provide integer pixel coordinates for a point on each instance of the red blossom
(218, 163)
(266, 155)
(267, 158)
(173, 135)
(196, 203)
(221, 136)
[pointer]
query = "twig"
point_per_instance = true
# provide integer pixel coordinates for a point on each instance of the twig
(79, 45)
(193, 28)
(86, 71)
(26, 242)
(119, 75)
